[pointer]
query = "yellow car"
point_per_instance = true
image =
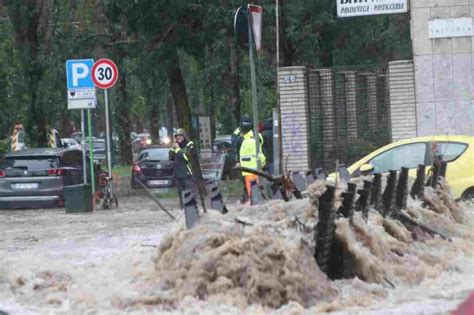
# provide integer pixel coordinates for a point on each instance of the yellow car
(458, 151)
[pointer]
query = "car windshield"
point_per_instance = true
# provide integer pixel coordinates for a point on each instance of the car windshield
(32, 163)
(155, 154)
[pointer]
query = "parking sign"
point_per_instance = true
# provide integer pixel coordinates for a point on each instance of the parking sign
(78, 74)
(80, 87)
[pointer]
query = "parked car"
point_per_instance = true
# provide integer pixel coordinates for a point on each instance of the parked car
(141, 141)
(70, 143)
(458, 151)
(153, 168)
(76, 136)
(98, 148)
(35, 178)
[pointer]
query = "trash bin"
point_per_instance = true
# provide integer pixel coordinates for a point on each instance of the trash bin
(78, 198)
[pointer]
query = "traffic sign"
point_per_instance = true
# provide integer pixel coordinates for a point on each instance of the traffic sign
(78, 74)
(80, 87)
(104, 73)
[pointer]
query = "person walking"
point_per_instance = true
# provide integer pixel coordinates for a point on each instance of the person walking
(183, 152)
(248, 154)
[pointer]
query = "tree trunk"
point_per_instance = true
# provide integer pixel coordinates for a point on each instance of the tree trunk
(179, 94)
(155, 120)
(180, 97)
(124, 122)
(170, 116)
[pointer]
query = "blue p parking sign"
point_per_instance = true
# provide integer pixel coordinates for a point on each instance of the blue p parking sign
(80, 87)
(78, 74)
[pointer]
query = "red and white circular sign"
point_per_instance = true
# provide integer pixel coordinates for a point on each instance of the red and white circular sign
(104, 73)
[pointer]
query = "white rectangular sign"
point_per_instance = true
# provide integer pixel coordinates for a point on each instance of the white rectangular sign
(81, 104)
(457, 27)
(81, 98)
(348, 8)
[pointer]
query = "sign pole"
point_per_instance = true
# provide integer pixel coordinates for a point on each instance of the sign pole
(91, 150)
(276, 112)
(83, 132)
(254, 95)
(107, 136)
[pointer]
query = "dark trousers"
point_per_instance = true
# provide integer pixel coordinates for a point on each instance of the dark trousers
(245, 194)
(182, 184)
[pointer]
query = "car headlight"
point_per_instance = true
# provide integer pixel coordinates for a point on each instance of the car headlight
(148, 141)
(166, 140)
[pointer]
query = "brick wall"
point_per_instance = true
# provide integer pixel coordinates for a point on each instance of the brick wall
(294, 118)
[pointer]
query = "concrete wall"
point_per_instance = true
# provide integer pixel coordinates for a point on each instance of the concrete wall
(444, 72)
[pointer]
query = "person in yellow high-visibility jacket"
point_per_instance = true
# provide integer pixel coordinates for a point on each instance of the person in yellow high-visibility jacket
(247, 154)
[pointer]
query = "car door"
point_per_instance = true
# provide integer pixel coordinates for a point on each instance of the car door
(405, 155)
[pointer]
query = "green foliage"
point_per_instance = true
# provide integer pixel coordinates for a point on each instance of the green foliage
(142, 35)
(4, 146)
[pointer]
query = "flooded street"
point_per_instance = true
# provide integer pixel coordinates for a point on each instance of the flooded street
(53, 262)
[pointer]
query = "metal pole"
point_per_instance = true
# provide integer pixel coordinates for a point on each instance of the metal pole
(276, 112)
(91, 150)
(107, 136)
(83, 133)
(254, 95)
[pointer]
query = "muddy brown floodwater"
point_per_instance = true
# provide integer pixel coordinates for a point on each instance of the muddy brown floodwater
(135, 259)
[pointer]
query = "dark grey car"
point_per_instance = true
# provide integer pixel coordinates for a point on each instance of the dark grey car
(36, 178)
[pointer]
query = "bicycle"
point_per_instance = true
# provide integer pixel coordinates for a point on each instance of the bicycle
(104, 194)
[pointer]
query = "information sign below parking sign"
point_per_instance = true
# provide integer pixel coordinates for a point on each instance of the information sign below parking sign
(80, 86)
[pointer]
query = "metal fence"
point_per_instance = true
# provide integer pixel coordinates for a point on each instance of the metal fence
(348, 113)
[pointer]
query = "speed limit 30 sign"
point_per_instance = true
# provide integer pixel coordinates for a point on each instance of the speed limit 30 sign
(104, 73)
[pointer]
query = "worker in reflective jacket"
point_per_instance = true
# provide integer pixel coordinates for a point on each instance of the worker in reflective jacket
(182, 153)
(248, 154)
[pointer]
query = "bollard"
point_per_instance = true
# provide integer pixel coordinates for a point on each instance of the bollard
(347, 206)
(325, 228)
(376, 193)
(191, 212)
(320, 174)
(299, 181)
(433, 180)
(256, 194)
(443, 169)
(388, 197)
(276, 193)
(309, 178)
(344, 174)
(368, 186)
(402, 189)
(362, 203)
(351, 187)
(418, 188)
(216, 199)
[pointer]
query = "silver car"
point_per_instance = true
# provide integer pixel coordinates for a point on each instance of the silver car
(35, 178)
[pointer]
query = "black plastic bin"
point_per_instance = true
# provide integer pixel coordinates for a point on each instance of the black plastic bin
(78, 198)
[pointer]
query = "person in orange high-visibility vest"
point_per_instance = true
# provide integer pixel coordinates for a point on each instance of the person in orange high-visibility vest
(248, 155)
